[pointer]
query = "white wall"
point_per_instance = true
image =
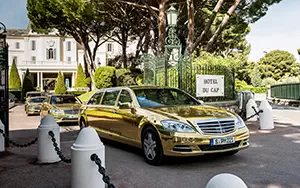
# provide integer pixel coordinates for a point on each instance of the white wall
(72, 53)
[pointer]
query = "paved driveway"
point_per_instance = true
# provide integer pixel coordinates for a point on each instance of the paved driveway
(272, 161)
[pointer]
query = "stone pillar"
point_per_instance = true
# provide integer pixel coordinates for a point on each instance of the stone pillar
(42, 84)
(38, 79)
(73, 80)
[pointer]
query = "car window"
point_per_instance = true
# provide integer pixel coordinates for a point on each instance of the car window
(163, 97)
(96, 98)
(124, 97)
(63, 100)
(110, 97)
(37, 100)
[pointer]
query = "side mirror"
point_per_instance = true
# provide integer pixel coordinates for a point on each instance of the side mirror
(125, 105)
(201, 102)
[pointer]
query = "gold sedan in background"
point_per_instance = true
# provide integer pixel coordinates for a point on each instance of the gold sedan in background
(64, 108)
(163, 122)
(33, 105)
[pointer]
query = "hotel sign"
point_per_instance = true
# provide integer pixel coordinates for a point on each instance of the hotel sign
(209, 85)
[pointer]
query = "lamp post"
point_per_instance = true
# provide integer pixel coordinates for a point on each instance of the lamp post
(172, 43)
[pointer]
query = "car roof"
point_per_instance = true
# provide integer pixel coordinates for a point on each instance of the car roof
(62, 95)
(137, 87)
(38, 97)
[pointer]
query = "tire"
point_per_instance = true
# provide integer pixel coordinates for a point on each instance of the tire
(153, 154)
(82, 123)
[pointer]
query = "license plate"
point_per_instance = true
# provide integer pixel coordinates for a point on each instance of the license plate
(72, 116)
(222, 141)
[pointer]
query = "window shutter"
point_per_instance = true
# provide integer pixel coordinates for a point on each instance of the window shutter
(47, 54)
(54, 54)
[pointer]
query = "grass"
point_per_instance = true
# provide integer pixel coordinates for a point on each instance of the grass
(84, 97)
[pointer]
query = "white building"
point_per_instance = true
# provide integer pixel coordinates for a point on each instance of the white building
(46, 55)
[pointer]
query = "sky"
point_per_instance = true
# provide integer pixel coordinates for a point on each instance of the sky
(278, 29)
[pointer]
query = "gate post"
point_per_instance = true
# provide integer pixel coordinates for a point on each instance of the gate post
(4, 99)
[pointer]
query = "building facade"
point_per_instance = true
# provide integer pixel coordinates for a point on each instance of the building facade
(46, 55)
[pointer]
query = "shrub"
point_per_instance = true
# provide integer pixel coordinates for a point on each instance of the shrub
(81, 80)
(125, 77)
(27, 84)
(60, 87)
(105, 77)
(140, 80)
(14, 77)
(243, 86)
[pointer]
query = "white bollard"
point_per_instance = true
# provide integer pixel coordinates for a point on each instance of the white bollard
(266, 117)
(226, 180)
(84, 170)
(46, 151)
(250, 111)
(2, 141)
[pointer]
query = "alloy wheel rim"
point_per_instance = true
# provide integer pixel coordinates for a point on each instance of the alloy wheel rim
(149, 146)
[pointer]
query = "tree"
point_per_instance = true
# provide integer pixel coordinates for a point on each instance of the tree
(81, 80)
(27, 84)
(278, 63)
(60, 87)
(14, 77)
(84, 20)
(105, 77)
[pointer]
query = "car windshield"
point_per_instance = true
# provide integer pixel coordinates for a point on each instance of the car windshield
(63, 100)
(33, 95)
(37, 100)
(156, 97)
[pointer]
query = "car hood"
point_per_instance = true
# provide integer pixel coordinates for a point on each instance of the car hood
(67, 106)
(192, 112)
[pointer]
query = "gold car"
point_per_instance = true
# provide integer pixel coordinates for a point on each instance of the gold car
(33, 104)
(64, 108)
(163, 122)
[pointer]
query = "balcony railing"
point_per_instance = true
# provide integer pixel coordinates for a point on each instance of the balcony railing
(47, 64)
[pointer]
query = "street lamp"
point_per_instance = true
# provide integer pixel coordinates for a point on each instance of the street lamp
(172, 15)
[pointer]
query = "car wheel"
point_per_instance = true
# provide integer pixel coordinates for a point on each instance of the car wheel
(153, 151)
(82, 123)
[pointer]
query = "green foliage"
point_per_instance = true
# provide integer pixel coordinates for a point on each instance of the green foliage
(298, 50)
(27, 84)
(256, 77)
(76, 93)
(287, 80)
(243, 86)
(125, 77)
(81, 81)
(14, 77)
(105, 77)
(140, 80)
(60, 87)
(278, 63)
(268, 82)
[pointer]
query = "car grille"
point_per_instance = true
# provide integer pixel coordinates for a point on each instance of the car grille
(71, 111)
(219, 147)
(37, 108)
(217, 126)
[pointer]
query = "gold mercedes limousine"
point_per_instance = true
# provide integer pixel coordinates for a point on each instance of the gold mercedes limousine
(163, 122)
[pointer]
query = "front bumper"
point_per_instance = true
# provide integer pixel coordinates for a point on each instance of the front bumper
(33, 111)
(195, 144)
(66, 118)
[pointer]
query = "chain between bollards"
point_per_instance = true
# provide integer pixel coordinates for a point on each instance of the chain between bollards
(18, 145)
(256, 113)
(101, 169)
(59, 153)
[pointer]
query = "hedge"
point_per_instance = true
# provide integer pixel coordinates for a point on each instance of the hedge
(14, 77)
(105, 77)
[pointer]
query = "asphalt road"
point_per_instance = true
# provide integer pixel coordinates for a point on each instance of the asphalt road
(272, 160)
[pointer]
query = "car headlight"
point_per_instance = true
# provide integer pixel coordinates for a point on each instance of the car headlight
(240, 122)
(56, 111)
(176, 126)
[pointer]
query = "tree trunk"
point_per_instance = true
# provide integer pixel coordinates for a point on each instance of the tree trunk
(190, 7)
(124, 49)
(89, 69)
(162, 25)
(222, 25)
(208, 25)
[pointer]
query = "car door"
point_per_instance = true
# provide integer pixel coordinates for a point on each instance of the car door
(91, 109)
(106, 118)
(127, 121)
